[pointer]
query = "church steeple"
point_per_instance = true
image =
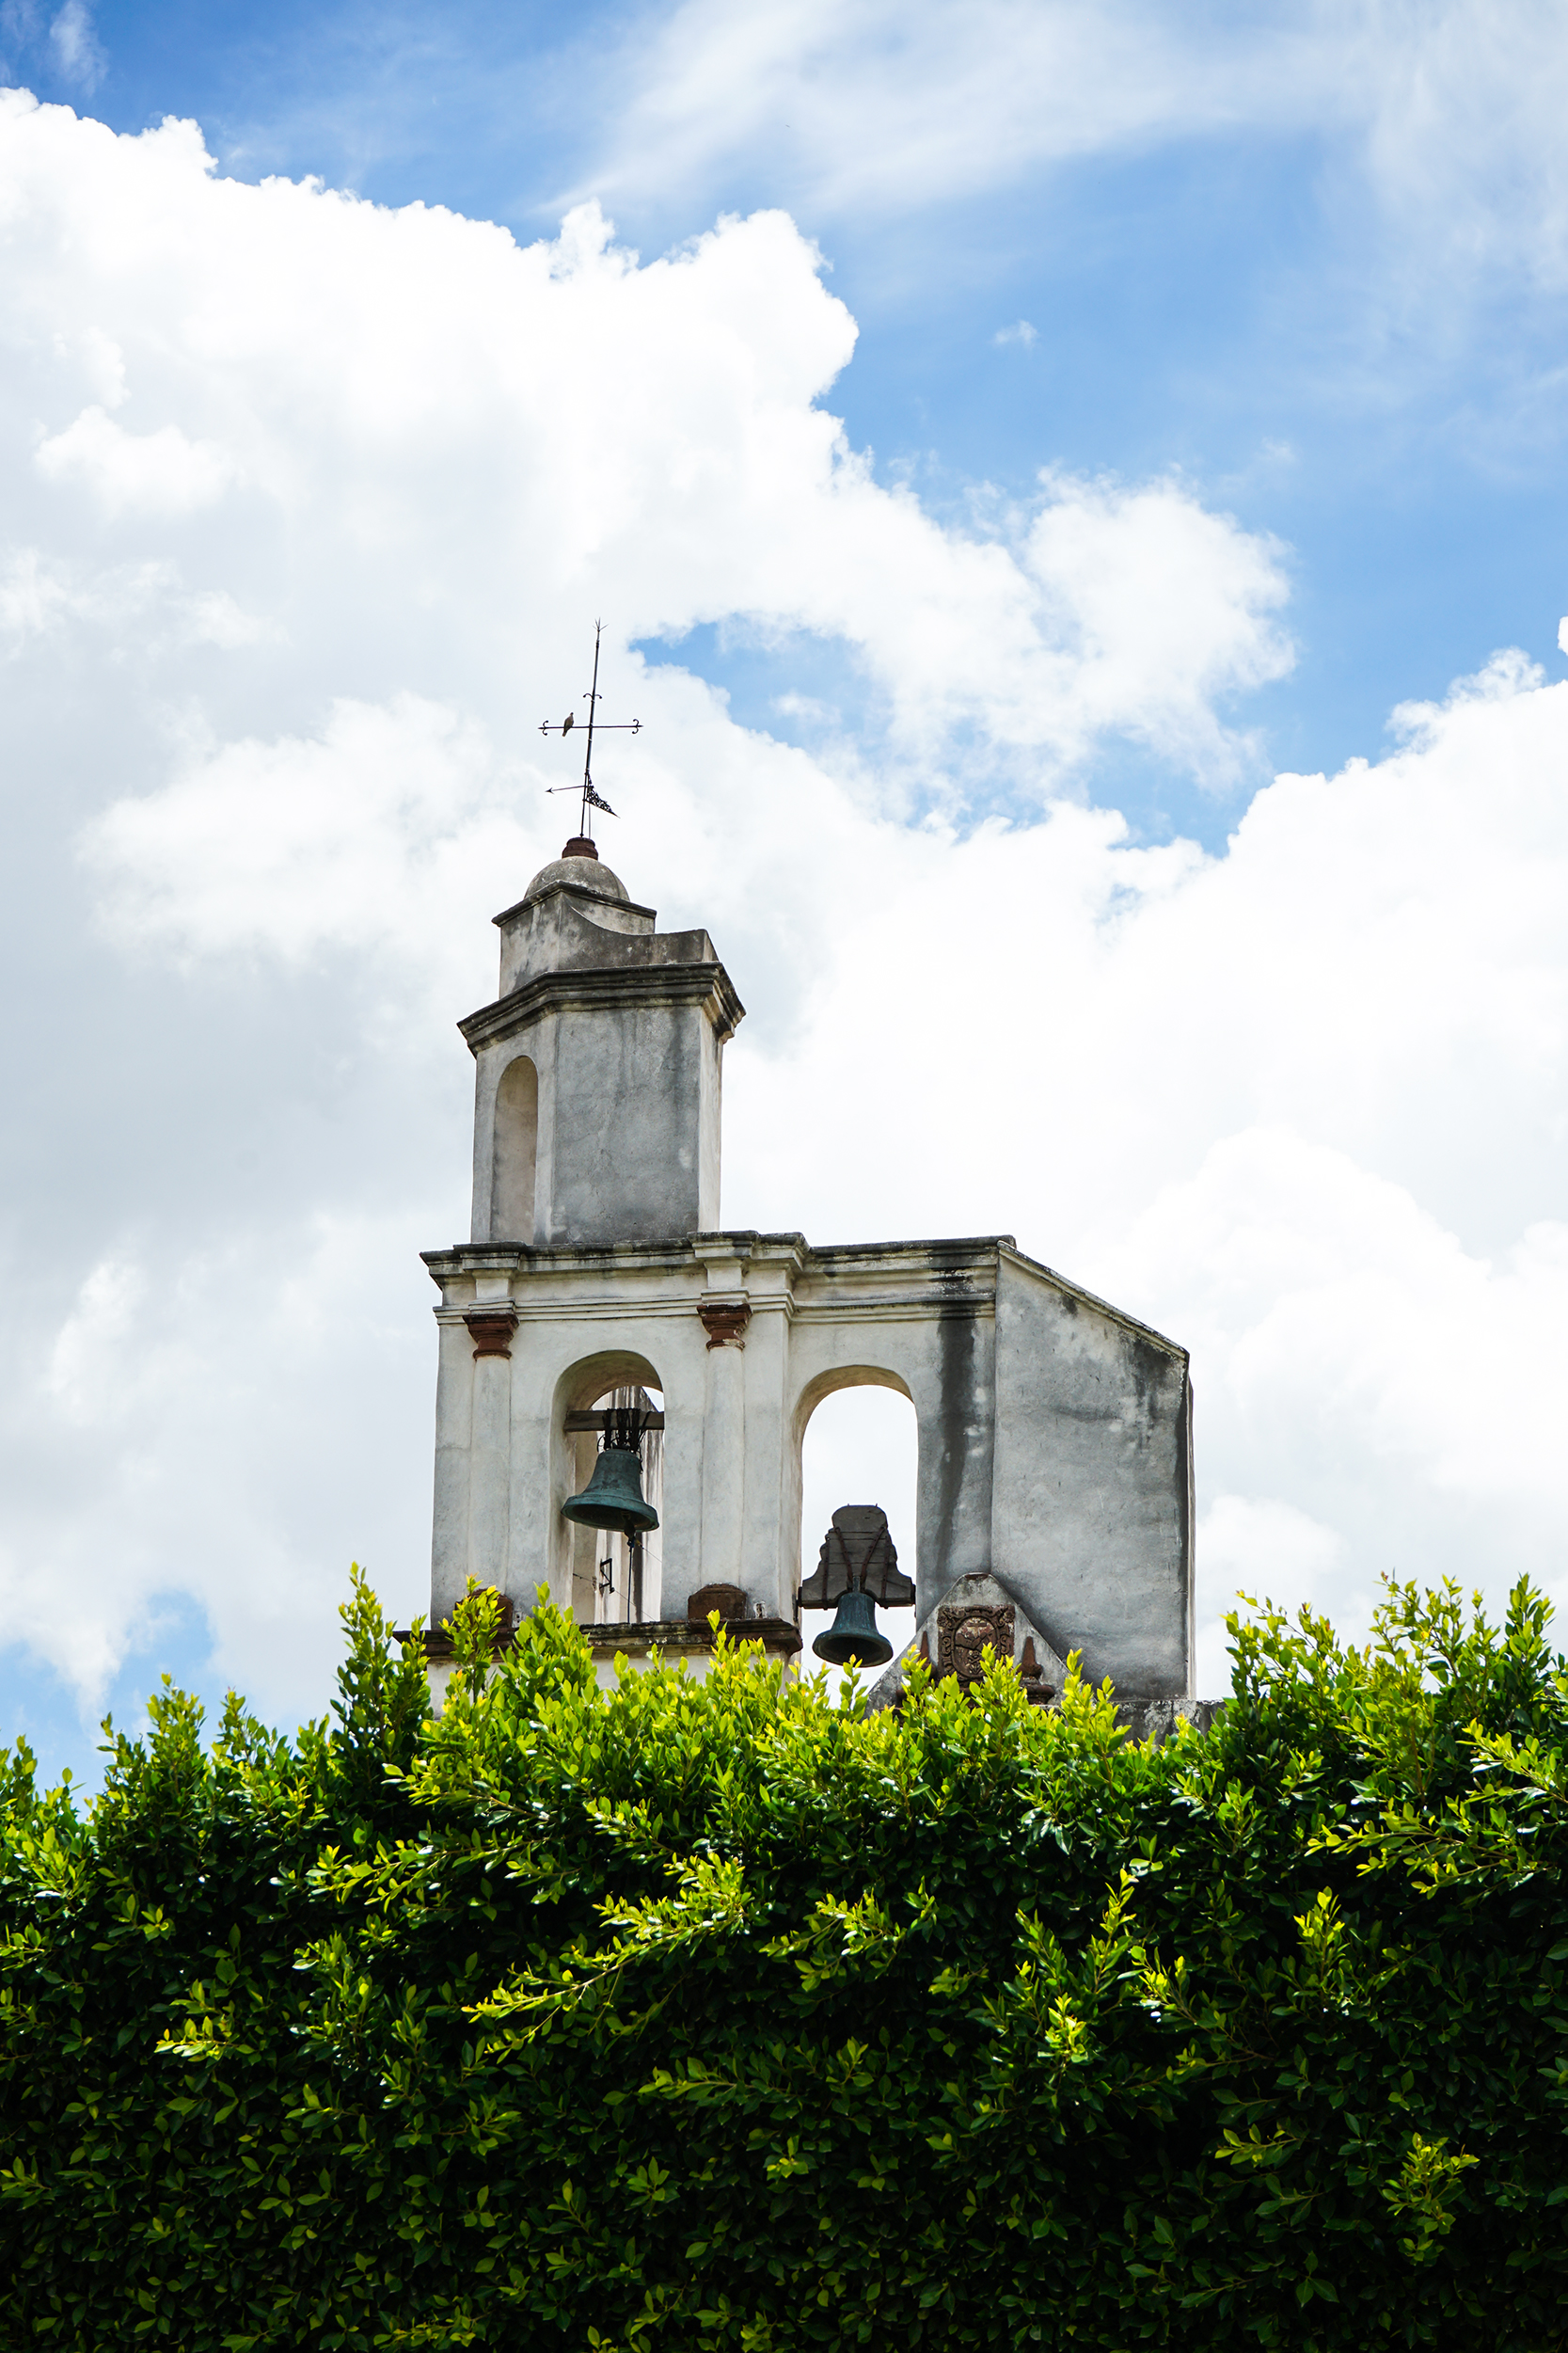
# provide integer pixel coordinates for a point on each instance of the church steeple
(596, 1111)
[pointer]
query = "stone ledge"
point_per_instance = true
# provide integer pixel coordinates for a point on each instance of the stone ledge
(779, 1635)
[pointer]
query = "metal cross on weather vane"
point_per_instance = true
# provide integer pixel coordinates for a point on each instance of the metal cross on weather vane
(626, 727)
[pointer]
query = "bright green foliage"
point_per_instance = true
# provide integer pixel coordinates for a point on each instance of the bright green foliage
(700, 2015)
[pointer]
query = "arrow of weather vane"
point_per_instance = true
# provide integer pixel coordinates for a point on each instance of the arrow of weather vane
(624, 726)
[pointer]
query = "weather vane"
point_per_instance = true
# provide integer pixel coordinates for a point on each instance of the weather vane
(629, 727)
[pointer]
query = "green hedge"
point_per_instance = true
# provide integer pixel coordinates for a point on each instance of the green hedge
(717, 2016)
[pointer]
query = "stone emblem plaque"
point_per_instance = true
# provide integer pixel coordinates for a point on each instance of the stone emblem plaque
(963, 1635)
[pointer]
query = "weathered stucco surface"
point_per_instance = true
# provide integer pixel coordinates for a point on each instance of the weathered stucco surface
(1093, 1479)
(1054, 1433)
(624, 1028)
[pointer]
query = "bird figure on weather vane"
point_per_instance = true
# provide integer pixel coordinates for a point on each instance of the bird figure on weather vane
(624, 726)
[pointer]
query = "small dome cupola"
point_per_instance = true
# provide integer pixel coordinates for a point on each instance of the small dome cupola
(582, 869)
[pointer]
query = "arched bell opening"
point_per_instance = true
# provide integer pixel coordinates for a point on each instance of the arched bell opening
(515, 1153)
(607, 1576)
(856, 1443)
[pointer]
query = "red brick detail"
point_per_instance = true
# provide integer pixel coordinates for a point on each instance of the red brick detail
(490, 1329)
(725, 1324)
(727, 1599)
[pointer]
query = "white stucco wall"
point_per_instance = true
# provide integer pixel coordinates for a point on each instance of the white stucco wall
(1092, 1512)
(1053, 1438)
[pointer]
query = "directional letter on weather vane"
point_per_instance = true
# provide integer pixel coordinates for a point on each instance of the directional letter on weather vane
(623, 726)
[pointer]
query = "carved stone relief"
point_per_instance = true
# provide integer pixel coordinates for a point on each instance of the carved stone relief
(962, 1637)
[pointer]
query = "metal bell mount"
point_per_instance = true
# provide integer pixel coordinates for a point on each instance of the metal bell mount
(614, 1497)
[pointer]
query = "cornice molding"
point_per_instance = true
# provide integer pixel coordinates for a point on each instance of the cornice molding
(706, 985)
(875, 1281)
(576, 891)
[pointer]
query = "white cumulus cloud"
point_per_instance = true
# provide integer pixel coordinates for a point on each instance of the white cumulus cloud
(160, 473)
(294, 845)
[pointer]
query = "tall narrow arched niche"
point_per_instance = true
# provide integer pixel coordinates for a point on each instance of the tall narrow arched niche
(516, 1145)
(859, 1444)
(579, 1555)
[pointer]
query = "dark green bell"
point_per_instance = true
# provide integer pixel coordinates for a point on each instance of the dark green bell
(613, 1496)
(852, 1639)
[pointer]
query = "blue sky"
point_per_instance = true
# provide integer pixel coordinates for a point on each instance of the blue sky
(1203, 408)
(1225, 302)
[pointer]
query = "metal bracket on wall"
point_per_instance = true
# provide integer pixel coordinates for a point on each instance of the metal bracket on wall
(599, 1422)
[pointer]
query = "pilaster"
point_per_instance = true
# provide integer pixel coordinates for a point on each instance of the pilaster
(724, 1313)
(490, 1324)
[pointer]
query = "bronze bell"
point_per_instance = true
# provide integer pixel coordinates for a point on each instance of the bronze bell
(852, 1639)
(614, 1497)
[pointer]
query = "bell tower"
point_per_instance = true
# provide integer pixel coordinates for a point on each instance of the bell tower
(596, 1103)
(1053, 1495)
